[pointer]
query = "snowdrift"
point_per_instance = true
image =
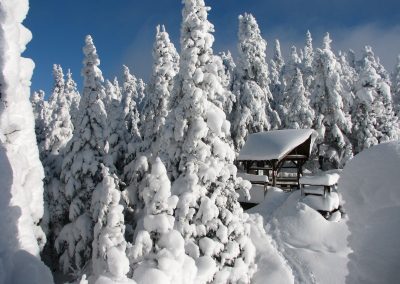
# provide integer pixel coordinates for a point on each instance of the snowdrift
(371, 191)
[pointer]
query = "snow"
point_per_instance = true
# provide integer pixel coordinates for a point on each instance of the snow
(273, 145)
(370, 188)
(253, 178)
(314, 249)
(321, 179)
(256, 194)
(328, 203)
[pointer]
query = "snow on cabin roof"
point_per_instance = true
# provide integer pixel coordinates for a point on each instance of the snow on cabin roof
(272, 145)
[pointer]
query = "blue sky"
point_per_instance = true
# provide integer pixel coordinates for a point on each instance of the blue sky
(123, 30)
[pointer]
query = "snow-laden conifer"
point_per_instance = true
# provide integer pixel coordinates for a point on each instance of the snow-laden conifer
(276, 83)
(156, 107)
(308, 51)
(72, 96)
(41, 114)
(253, 109)
(288, 76)
(81, 169)
(364, 115)
(131, 118)
(141, 89)
(158, 247)
(109, 259)
(200, 161)
(332, 123)
(396, 87)
(348, 78)
(229, 66)
(300, 114)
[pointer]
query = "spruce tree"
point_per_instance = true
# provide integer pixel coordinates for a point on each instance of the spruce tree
(200, 161)
(109, 259)
(277, 84)
(396, 87)
(81, 170)
(253, 109)
(72, 96)
(156, 108)
(300, 114)
(41, 114)
(158, 246)
(331, 122)
(364, 115)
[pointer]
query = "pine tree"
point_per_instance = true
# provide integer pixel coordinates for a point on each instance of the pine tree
(307, 62)
(229, 66)
(277, 84)
(72, 96)
(288, 73)
(141, 89)
(200, 160)
(82, 167)
(300, 114)
(364, 114)
(118, 135)
(253, 110)
(396, 87)
(41, 115)
(131, 118)
(156, 108)
(108, 258)
(331, 122)
(375, 63)
(348, 78)
(158, 245)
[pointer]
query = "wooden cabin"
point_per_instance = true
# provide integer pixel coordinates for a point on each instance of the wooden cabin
(278, 154)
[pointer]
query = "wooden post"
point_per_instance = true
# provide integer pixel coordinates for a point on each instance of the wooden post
(274, 173)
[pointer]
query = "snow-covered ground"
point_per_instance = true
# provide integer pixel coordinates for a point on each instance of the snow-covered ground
(301, 246)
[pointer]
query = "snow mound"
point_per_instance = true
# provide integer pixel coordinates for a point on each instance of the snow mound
(370, 188)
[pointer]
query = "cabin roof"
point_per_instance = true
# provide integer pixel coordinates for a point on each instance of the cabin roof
(274, 145)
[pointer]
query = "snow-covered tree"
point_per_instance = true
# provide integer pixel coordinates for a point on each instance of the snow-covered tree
(348, 78)
(229, 66)
(364, 114)
(253, 109)
(300, 114)
(41, 115)
(21, 171)
(396, 87)
(308, 51)
(375, 63)
(82, 166)
(288, 73)
(109, 259)
(156, 107)
(200, 161)
(60, 128)
(276, 66)
(131, 118)
(159, 249)
(72, 95)
(141, 89)
(118, 133)
(332, 123)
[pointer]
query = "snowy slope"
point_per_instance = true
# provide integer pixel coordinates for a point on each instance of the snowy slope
(370, 188)
(315, 250)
